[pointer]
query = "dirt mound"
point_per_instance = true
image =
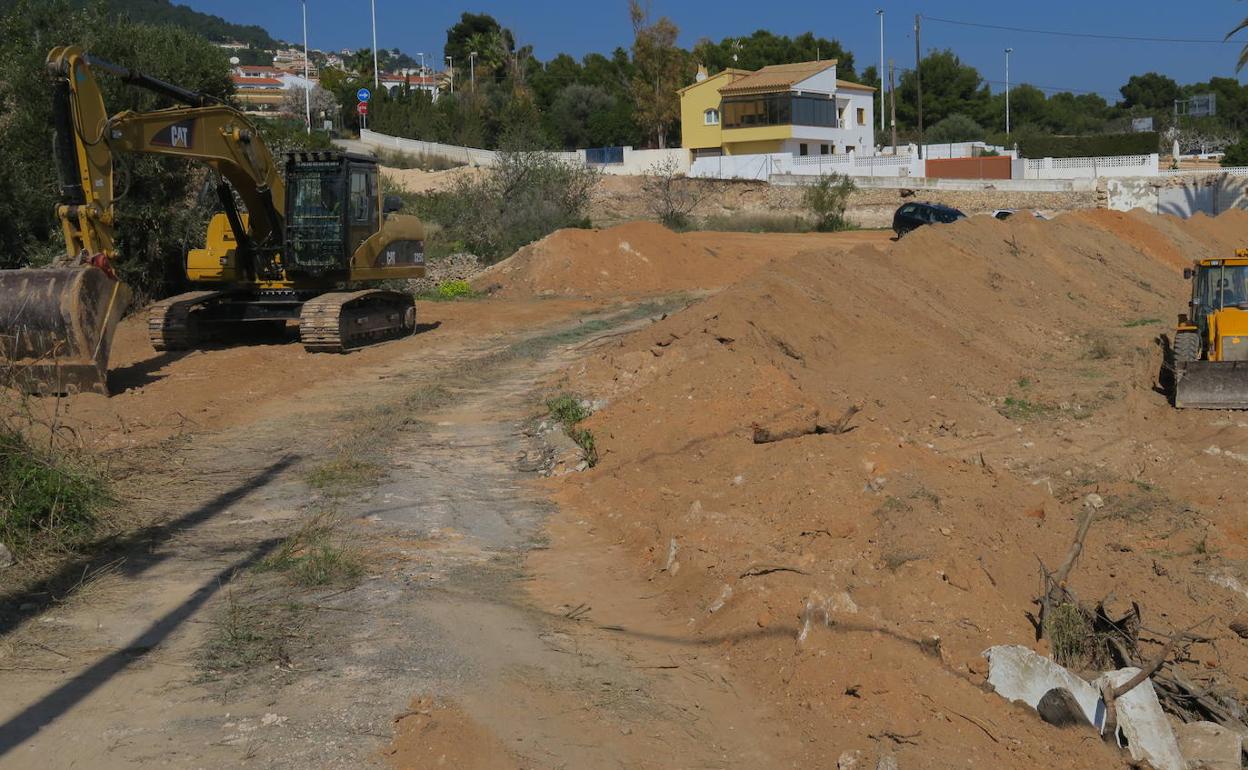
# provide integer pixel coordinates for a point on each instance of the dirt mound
(1004, 372)
(632, 259)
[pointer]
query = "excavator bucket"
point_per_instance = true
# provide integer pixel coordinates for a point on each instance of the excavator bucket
(56, 328)
(1212, 385)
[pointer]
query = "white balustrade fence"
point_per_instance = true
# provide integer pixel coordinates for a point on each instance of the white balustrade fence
(762, 167)
(1091, 168)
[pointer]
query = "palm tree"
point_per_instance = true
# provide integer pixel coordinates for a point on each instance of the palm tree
(1243, 53)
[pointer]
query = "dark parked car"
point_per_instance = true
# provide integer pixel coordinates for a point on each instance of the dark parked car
(912, 215)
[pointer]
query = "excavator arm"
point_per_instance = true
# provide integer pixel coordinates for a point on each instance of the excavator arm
(56, 325)
(202, 129)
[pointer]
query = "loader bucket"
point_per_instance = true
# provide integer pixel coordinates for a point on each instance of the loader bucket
(1212, 385)
(56, 328)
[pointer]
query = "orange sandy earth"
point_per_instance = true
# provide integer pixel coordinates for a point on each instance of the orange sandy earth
(927, 519)
(924, 521)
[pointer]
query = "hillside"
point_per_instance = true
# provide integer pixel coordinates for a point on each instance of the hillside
(212, 27)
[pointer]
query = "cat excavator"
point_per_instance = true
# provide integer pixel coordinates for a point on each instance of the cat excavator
(290, 242)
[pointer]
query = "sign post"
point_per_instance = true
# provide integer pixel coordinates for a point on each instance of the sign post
(362, 109)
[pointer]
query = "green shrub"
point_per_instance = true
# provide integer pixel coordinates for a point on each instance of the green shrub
(827, 200)
(584, 438)
(567, 409)
(1041, 146)
(455, 290)
(1236, 154)
(955, 128)
(670, 195)
(524, 197)
(47, 499)
(420, 160)
(760, 222)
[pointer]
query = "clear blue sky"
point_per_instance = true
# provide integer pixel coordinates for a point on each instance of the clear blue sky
(555, 26)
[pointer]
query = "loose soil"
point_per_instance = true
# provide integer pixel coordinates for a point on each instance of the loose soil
(644, 258)
(1003, 372)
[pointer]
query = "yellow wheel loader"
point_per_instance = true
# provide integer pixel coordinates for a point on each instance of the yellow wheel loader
(1210, 350)
(307, 231)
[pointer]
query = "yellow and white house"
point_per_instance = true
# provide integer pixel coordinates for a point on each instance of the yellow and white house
(799, 109)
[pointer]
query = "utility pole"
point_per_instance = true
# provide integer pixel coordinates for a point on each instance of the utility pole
(307, 82)
(1008, 51)
(918, 77)
(880, 12)
(450, 68)
(892, 99)
(376, 72)
(472, 70)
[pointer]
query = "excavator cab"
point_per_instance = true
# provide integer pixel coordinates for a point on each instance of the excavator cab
(331, 208)
(1210, 351)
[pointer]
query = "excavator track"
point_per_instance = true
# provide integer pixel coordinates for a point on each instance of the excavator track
(170, 324)
(340, 321)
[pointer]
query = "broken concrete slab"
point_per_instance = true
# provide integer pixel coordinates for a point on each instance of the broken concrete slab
(1019, 673)
(1142, 726)
(1209, 746)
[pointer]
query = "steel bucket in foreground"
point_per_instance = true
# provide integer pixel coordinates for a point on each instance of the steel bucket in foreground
(56, 328)
(1212, 385)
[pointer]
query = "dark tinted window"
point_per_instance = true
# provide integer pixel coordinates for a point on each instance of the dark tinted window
(777, 110)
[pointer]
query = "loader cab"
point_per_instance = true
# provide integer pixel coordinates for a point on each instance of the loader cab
(331, 208)
(1217, 284)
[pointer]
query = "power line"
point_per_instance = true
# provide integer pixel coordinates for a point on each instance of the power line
(1090, 35)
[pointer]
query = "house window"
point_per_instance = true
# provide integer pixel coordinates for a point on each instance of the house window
(778, 110)
(849, 148)
(825, 149)
(862, 116)
(711, 117)
(803, 149)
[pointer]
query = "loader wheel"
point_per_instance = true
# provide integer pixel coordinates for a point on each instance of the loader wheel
(1186, 347)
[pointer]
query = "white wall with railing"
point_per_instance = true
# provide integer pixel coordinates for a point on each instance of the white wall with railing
(762, 167)
(1091, 168)
(950, 150)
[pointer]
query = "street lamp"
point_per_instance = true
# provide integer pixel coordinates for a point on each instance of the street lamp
(1008, 51)
(450, 67)
(307, 82)
(376, 72)
(472, 70)
(880, 12)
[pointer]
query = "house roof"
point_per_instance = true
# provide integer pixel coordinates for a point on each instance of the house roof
(243, 82)
(777, 77)
(736, 73)
(854, 86)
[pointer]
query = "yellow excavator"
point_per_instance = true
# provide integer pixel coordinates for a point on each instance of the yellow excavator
(303, 237)
(1210, 349)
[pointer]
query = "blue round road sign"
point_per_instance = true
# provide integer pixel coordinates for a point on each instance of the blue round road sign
(363, 94)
